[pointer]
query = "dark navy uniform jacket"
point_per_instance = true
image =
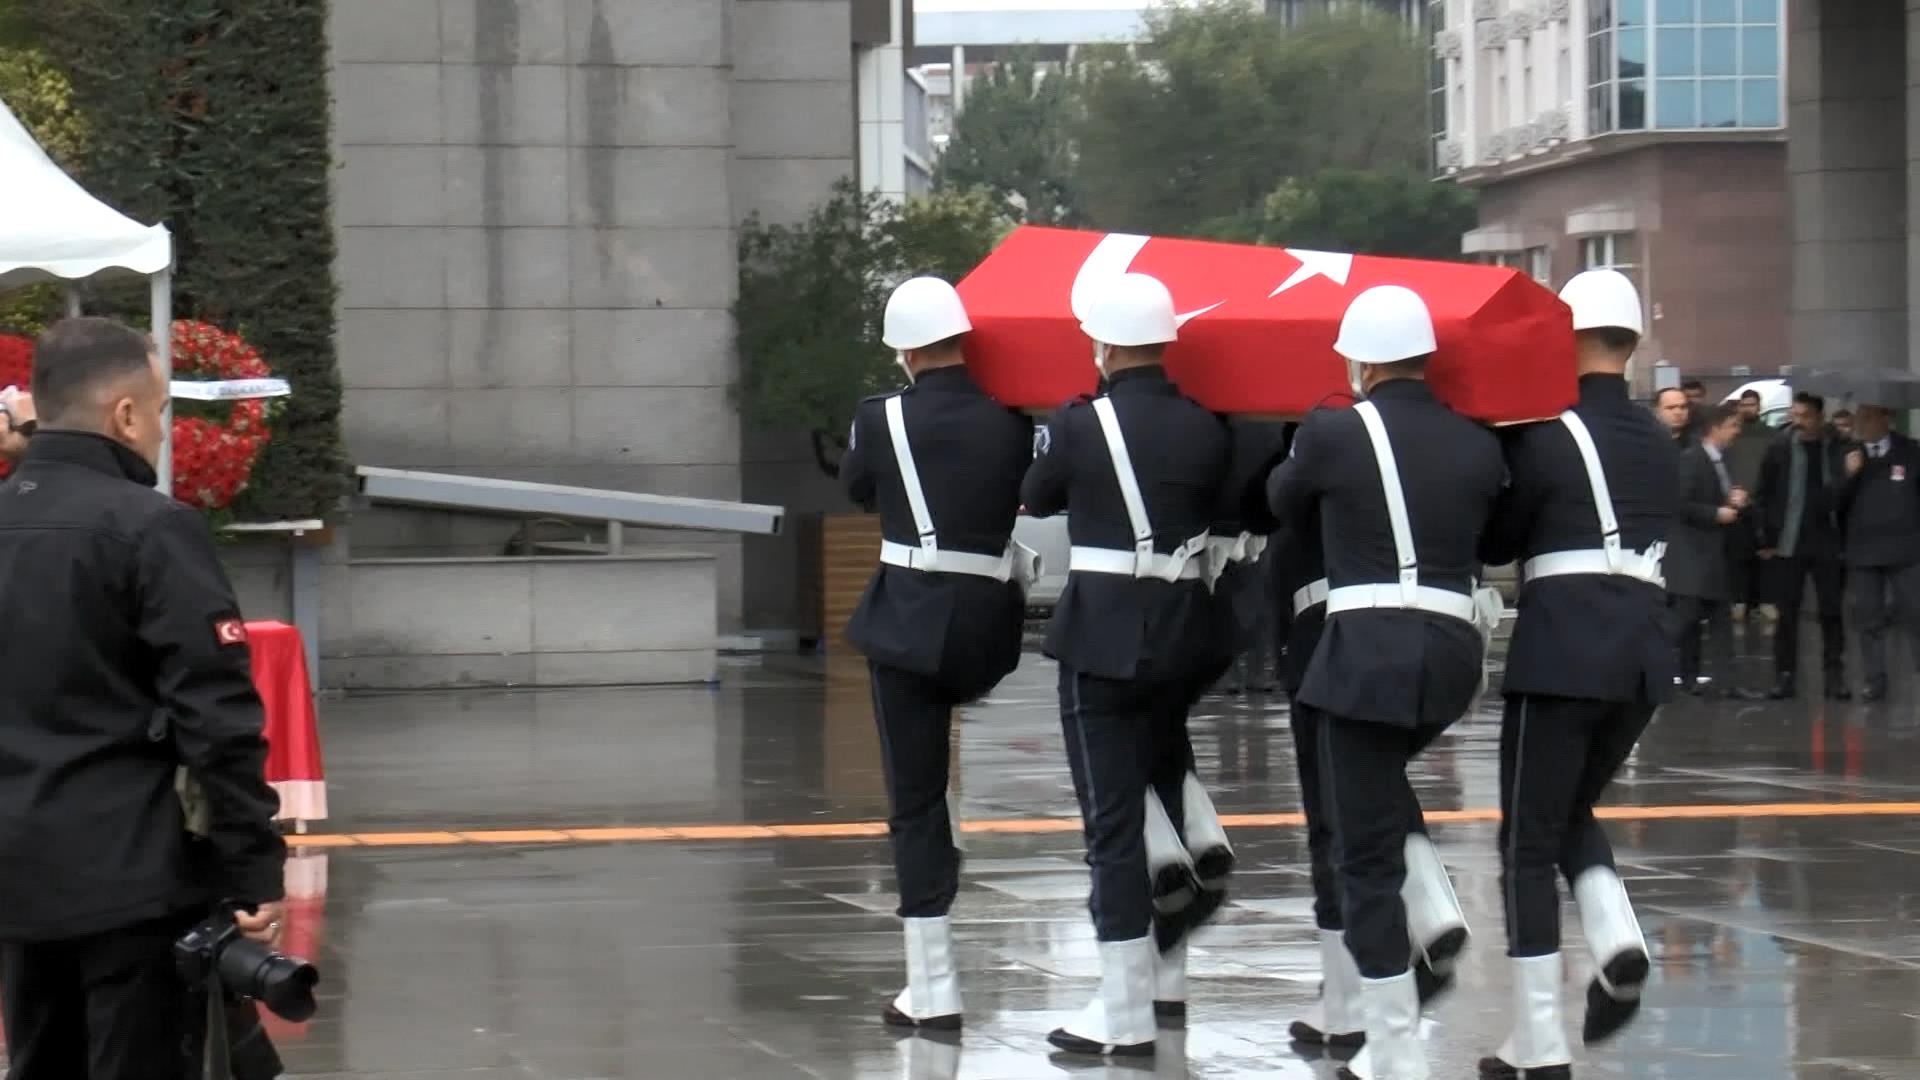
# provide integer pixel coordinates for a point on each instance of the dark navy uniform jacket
(1590, 636)
(1113, 626)
(1403, 668)
(970, 452)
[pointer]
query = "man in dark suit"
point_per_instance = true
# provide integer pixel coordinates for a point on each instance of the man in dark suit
(1696, 559)
(1676, 415)
(1800, 538)
(1140, 472)
(940, 622)
(1880, 501)
(1587, 514)
(1400, 659)
(1744, 458)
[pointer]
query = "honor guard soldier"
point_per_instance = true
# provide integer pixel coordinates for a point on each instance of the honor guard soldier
(1401, 656)
(1139, 472)
(1590, 500)
(940, 623)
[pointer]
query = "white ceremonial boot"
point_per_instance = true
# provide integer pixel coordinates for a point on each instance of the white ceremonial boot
(1119, 1020)
(1206, 840)
(1620, 960)
(1169, 866)
(932, 997)
(1170, 985)
(1435, 925)
(1336, 1020)
(1537, 1048)
(1393, 1050)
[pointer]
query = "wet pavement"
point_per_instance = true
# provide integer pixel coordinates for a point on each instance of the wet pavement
(1778, 881)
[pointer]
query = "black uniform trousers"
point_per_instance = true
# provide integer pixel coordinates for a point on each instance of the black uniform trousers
(1371, 807)
(1684, 616)
(108, 1006)
(1884, 596)
(1789, 576)
(1308, 723)
(1557, 755)
(1123, 736)
(915, 717)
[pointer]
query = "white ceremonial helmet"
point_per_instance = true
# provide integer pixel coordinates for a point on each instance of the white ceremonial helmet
(1384, 325)
(1133, 309)
(921, 312)
(1604, 298)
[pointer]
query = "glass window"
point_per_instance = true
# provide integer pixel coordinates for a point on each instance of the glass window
(1760, 102)
(1632, 47)
(1674, 104)
(1760, 50)
(1718, 11)
(1760, 11)
(1600, 14)
(1600, 109)
(1632, 12)
(1719, 103)
(1669, 12)
(1599, 60)
(1633, 105)
(1719, 51)
(1539, 265)
(1673, 53)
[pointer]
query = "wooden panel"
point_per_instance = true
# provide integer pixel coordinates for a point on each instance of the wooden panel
(849, 550)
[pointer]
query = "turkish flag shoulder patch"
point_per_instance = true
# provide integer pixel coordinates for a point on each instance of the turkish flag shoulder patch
(230, 630)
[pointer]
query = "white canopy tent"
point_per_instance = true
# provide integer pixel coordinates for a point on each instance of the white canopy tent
(51, 229)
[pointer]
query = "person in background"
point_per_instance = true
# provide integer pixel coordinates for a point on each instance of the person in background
(1880, 504)
(1799, 538)
(940, 621)
(1676, 415)
(16, 409)
(126, 659)
(1843, 425)
(1744, 458)
(1696, 558)
(1697, 408)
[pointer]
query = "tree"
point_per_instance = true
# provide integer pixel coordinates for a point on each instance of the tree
(1228, 101)
(1369, 213)
(1011, 138)
(812, 296)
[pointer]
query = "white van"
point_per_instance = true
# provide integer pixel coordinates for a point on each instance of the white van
(1776, 399)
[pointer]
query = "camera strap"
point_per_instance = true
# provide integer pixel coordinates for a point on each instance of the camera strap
(218, 1057)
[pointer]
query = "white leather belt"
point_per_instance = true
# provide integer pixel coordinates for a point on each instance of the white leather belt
(1179, 566)
(1308, 595)
(1224, 551)
(1642, 566)
(1399, 597)
(1010, 566)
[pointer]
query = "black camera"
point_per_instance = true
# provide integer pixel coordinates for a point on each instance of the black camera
(214, 954)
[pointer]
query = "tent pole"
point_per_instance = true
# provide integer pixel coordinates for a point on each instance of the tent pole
(162, 284)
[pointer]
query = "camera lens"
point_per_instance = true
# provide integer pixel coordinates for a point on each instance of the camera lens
(282, 983)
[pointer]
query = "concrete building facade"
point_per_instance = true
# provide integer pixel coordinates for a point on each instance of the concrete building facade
(1644, 135)
(537, 208)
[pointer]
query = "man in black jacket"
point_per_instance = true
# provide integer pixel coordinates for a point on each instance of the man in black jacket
(126, 658)
(940, 622)
(1710, 508)
(1587, 514)
(1880, 500)
(1402, 487)
(1141, 473)
(1799, 524)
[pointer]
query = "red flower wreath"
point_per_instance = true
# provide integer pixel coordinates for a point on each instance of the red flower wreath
(212, 460)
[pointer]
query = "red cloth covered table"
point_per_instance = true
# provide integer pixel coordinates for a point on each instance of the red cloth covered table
(293, 734)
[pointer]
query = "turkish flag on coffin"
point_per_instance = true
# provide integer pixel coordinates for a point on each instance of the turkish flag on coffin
(1260, 323)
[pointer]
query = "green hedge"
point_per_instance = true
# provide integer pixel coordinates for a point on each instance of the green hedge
(212, 117)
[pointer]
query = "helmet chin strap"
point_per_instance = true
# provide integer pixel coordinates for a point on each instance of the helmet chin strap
(1100, 359)
(1355, 380)
(901, 359)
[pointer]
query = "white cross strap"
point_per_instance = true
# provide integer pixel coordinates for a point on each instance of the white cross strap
(1396, 496)
(1142, 561)
(1018, 563)
(910, 475)
(1611, 558)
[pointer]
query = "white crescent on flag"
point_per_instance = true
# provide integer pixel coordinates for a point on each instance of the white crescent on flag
(1109, 259)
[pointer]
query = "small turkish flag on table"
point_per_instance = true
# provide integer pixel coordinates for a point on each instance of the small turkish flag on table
(293, 733)
(1258, 324)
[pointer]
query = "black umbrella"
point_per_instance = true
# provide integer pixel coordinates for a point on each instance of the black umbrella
(1892, 388)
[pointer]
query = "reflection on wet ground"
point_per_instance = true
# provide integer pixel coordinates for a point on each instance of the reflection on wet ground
(1786, 946)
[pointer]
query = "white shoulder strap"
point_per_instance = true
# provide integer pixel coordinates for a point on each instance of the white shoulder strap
(1129, 483)
(1396, 496)
(910, 475)
(1597, 480)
